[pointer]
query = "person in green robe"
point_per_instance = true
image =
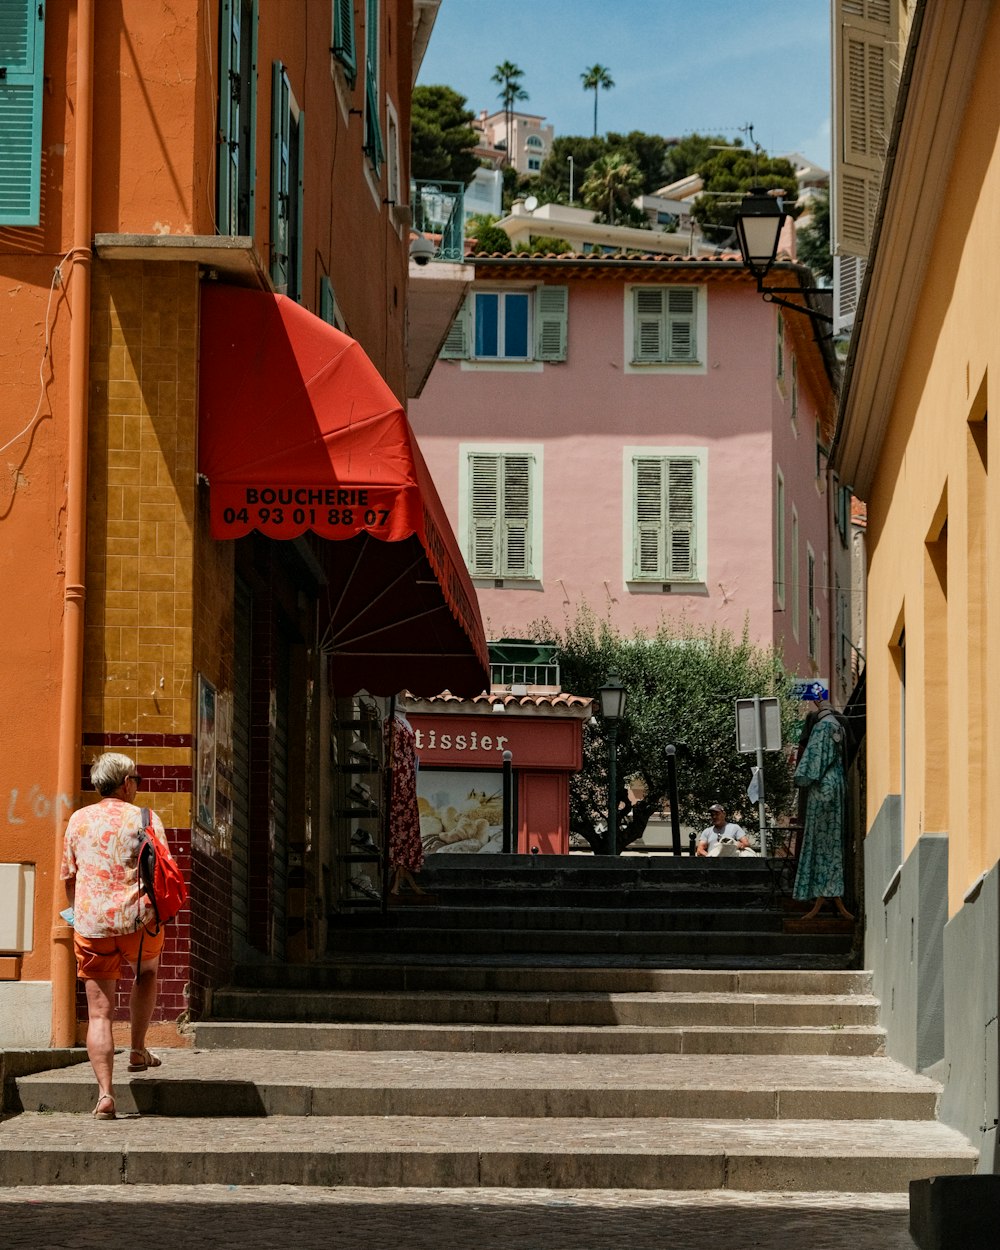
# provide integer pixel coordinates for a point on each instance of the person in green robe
(821, 773)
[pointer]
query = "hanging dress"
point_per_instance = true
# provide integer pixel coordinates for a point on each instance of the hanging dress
(406, 850)
(820, 773)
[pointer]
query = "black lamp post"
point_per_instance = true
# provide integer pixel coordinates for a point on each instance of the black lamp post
(758, 229)
(612, 695)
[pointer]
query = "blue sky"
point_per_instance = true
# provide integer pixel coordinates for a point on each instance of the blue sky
(678, 65)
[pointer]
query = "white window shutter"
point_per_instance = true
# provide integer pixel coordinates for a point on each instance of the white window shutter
(648, 316)
(647, 559)
(681, 518)
(456, 345)
(551, 315)
(516, 516)
(681, 310)
(484, 477)
(848, 274)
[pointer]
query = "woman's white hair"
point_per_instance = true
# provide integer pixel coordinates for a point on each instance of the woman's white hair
(108, 772)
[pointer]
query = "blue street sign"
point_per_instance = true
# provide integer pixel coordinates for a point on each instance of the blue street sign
(816, 688)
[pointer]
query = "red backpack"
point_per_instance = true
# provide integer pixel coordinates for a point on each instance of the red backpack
(160, 879)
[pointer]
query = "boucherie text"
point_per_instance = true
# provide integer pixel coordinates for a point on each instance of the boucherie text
(306, 505)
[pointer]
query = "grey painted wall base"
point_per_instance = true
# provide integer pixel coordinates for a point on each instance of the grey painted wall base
(906, 909)
(938, 980)
(954, 1212)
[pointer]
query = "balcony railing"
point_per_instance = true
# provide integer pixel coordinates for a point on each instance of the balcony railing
(438, 213)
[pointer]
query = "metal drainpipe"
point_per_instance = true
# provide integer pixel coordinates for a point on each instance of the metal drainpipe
(74, 590)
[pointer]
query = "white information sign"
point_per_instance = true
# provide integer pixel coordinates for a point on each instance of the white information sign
(758, 731)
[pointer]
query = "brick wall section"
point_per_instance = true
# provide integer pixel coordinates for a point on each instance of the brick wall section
(138, 671)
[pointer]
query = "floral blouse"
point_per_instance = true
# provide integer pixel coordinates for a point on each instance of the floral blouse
(100, 849)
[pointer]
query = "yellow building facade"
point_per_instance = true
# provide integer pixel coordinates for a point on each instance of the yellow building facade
(913, 440)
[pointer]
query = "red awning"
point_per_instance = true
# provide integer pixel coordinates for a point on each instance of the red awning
(299, 432)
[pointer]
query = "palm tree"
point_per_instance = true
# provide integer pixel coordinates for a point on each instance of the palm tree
(597, 76)
(612, 182)
(509, 76)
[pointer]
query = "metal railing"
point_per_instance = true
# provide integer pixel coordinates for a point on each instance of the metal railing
(437, 211)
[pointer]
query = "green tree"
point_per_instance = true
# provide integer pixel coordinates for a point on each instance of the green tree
(681, 685)
(442, 139)
(728, 176)
(508, 76)
(814, 238)
(598, 76)
(485, 236)
(648, 153)
(554, 176)
(611, 185)
(687, 155)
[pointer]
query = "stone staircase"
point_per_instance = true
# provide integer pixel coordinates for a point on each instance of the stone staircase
(395, 1065)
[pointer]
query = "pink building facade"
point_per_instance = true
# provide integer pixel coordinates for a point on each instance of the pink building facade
(647, 437)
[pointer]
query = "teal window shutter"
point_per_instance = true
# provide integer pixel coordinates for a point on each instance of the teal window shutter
(647, 559)
(500, 515)
(22, 57)
(327, 303)
(343, 38)
(484, 526)
(665, 325)
(551, 305)
(648, 318)
(374, 146)
(280, 176)
(237, 116)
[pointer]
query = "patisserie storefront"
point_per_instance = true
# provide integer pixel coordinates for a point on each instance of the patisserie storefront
(460, 746)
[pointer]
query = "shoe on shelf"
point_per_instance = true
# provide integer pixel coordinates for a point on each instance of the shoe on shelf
(364, 886)
(361, 792)
(361, 750)
(364, 841)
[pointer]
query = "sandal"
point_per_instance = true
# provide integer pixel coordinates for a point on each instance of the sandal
(105, 1109)
(146, 1060)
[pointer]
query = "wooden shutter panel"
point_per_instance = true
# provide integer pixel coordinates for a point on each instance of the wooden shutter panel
(280, 190)
(484, 478)
(867, 59)
(516, 516)
(681, 518)
(649, 337)
(551, 316)
(229, 115)
(681, 310)
(456, 345)
(343, 38)
(22, 55)
(648, 559)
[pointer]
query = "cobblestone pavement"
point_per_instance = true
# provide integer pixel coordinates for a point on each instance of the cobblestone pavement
(221, 1217)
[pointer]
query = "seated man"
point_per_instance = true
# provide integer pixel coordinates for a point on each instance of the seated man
(721, 838)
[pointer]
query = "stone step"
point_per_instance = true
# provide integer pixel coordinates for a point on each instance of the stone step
(593, 872)
(666, 897)
(650, 1009)
(449, 975)
(412, 1083)
(761, 1155)
(690, 943)
(542, 1039)
(643, 919)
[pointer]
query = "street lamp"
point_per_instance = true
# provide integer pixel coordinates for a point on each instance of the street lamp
(612, 695)
(758, 228)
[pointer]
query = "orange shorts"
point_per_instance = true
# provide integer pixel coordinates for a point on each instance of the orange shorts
(100, 958)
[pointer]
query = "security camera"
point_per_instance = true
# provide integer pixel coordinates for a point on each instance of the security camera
(421, 250)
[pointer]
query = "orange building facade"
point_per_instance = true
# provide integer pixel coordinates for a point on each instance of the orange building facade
(154, 153)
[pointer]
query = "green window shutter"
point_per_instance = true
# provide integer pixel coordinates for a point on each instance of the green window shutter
(551, 307)
(456, 345)
(681, 518)
(647, 559)
(516, 516)
(229, 115)
(374, 147)
(22, 56)
(484, 520)
(296, 210)
(343, 38)
(237, 116)
(280, 174)
(681, 312)
(648, 317)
